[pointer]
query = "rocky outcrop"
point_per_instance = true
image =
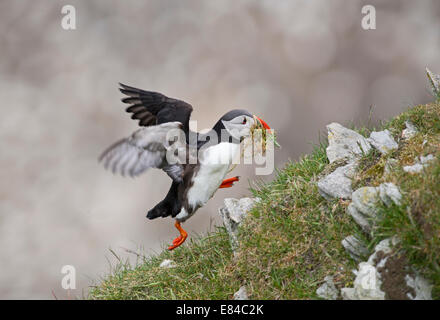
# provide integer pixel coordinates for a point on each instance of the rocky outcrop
(386, 273)
(347, 146)
(383, 274)
(366, 200)
(363, 208)
(233, 214)
(338, 183)
(383, 141)
(344, 143)
(389, 194)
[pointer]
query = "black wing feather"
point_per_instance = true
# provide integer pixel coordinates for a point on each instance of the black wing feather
(152, 108)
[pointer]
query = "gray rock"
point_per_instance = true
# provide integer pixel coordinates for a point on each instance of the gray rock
(421, 287)
(389, 193)
(363, 221)
(415, 168)
(328, 289)
(241, 294)
(345, 143)
(355, 248)
(383, 141)
(366, 285)
(233, 213)
(410, 130)
(167, 264)
(338, 183)
(420, 163)
(434, 79)
(365, 200)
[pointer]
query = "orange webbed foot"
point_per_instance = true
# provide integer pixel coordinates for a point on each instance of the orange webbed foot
(180, 239)
(227, 183)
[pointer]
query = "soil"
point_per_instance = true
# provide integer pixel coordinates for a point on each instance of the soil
(393, 276)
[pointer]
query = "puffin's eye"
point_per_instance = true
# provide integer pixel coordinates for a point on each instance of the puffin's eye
(244, 121)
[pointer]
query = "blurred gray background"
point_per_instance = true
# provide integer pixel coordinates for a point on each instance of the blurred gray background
(297, 64)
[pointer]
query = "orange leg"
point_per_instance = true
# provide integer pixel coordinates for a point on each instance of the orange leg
(227, 183)
(180, 239)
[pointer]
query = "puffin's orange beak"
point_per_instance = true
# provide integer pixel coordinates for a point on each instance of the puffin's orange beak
(263, 123)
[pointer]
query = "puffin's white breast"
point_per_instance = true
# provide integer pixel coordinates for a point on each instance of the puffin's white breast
(214, 166)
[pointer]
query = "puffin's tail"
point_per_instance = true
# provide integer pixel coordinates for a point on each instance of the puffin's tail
(162, 209)
(170, 206)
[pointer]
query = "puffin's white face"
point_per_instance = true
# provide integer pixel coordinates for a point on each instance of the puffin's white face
(239, 127)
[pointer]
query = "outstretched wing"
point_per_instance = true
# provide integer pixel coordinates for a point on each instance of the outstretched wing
(152, 108)
(146, 148)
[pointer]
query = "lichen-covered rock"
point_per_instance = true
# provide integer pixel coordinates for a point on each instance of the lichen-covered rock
(355, 248)
(233, 213)
(389, 193)
(344, 143)
(338, 183)
(363, 221)
(383, 141)
(365, 200)
(328, 289)
(410, 130)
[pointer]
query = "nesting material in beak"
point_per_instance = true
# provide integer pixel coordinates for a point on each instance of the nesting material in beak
(257, 141)
(260, 137)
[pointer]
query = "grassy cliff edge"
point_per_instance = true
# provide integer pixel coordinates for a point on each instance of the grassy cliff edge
(292, 238)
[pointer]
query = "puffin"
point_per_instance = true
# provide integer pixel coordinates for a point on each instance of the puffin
(197, 163)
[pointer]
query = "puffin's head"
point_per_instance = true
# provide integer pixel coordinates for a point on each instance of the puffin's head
(238, 123)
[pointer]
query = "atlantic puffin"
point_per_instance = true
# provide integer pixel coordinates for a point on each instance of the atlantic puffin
(193, 182)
